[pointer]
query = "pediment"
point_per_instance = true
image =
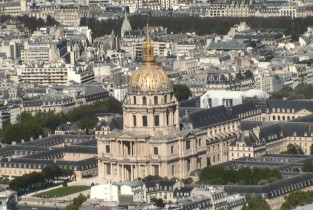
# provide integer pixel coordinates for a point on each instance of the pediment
(126, 136)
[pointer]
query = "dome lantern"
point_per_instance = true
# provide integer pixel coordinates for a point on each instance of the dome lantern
(149, 77)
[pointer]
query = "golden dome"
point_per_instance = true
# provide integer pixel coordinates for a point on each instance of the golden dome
(149, 77)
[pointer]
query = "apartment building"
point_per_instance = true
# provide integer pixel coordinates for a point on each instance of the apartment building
(45, 74)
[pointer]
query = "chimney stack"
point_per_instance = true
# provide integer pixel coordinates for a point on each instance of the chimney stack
(256, 131)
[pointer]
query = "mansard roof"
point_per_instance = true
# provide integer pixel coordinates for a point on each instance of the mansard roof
(193, 102)
(208, 117)
(242, 108)
(297, 105)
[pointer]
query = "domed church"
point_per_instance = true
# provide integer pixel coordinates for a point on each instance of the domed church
(151, 142)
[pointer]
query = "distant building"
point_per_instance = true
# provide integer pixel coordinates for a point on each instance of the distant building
(213, 98)
(8, 200)
(125, 26)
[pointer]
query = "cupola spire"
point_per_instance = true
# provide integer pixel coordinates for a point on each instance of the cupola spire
(148, 56)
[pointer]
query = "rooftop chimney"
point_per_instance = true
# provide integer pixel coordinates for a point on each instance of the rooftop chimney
(256, 131)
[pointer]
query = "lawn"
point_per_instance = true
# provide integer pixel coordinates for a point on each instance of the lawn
(63, 191)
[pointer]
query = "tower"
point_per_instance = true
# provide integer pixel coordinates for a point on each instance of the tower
(150, 106)
(126, 25)
(150, 142)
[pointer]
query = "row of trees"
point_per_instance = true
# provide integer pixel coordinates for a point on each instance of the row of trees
(302, 91)
(202, 26)
(40, 180)
(33, 126)
(219, 175)
(188, 180)
(31, 23)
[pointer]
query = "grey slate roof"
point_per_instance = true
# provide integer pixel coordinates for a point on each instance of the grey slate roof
(208, 117)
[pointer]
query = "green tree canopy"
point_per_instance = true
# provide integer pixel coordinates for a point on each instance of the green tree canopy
(158, 202)
(32, 126)
(77, 202)
(293, 149)
(256, 203)
(182, 92)
(307, 166)
(297, 198)
(245, 175)
(302, 91)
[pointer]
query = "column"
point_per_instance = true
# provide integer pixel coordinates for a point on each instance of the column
(131, 172)
(123, 172)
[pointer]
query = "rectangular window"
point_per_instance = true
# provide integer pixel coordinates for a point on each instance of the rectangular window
(155, 150)
(188, 165)
(173, 170)
(144, 121)
(172, 149)
(108, 169)
(199, 142)
(134, 120)
(107, 148)
(156, 120)
(199, 162)
(156, 170)
(187, 145)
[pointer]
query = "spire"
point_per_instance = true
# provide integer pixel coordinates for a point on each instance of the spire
(125, 15)
(148, 34)
(148, 57)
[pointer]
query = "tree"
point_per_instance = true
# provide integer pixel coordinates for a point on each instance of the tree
(88, 123)
(302, 91)
(311, 149)
(293, 149)
(297, 198)
(158, 202)
(77, 202)
(256, 203)
(182, 92)
(245, 175)
(307, 166)
(52, 172)
(189, 180)
(282, 93)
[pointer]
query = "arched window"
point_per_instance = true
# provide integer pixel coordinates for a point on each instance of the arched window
(135, 100)
(274, 117)
(144, 100)
(278, 118)
(155, 100)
